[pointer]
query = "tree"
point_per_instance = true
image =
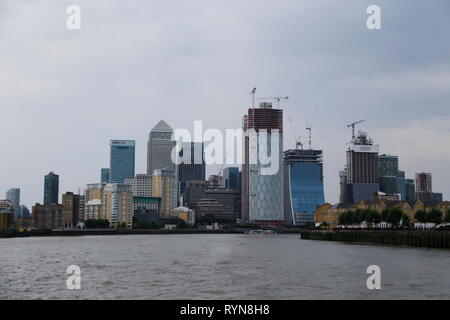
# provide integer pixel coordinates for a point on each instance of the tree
(346, 218)
(96, 223)
(358, 216)
(394, 216)
(342, 218)
(421, 216)
(384, 215)
(434, 216)
(405, 220)
(373, 217)
(447, 216)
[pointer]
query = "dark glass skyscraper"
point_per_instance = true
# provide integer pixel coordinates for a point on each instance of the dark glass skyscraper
(231, 178)
(105, 175)
(389, 174)
(191, 164)
(122, 160)
(51, 188)
(303, 184)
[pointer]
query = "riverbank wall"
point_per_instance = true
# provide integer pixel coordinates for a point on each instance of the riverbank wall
(107, 232)
(428, 239)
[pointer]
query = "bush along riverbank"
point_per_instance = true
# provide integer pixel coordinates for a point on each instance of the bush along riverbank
(431, 239)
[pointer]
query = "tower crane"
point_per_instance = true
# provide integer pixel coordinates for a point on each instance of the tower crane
(252, 93)
(352, 125)
(297, 140)
(309, 128)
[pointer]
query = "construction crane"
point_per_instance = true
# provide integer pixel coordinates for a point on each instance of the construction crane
(277, 99)
(352, 125)
(309, 137)
(252, 93)
(309, 128)
(297, 140)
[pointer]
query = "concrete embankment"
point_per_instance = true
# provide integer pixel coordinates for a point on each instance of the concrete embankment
(430, 239)
(106, 232)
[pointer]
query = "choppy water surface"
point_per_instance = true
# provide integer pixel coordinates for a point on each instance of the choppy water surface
(216, 267)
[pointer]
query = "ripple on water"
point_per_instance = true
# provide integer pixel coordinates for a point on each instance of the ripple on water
(216, 267)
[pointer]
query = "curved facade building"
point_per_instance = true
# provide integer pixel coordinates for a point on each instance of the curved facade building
(304, 192)
(262, 191)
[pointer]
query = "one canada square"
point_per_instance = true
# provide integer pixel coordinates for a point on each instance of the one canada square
(159, 148)
(262, 193)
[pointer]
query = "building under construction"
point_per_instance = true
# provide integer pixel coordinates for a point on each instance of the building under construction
(361, 175)
(262, 195)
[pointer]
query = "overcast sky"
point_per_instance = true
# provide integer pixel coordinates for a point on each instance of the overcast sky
(64, 94)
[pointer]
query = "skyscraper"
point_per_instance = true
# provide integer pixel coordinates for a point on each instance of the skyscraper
(191, 165)
(231, 178)
(262, 194)
(362, 169)
(13, 194)
(105, 174)
(410, 190)
(389, 174)
(122, 160)
(51, 188)
(303, 185)
(424, 187)
(159, 148)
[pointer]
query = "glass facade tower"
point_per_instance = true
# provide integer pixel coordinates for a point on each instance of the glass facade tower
(51, 188)
(122, 160)
(304, 189)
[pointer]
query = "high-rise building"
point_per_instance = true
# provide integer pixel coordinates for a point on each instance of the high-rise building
(262, 192)
(231, 178)
(159, 148)
(164, 186)
(303, 185)
(51, 188)
(362, 169)
(389, 174)
(410, 190)
(424, 188)
(105, 174)
(424, 182)
(190, 165)
(13, 194)
(118, 205)
(401, 184)
(24, 212)
(71, 204)
(141, 185)
(343, 186)
(122, 160)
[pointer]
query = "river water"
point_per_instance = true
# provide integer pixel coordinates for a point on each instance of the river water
(216, 266)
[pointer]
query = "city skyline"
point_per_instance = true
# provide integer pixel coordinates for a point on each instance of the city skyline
(402, 94)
